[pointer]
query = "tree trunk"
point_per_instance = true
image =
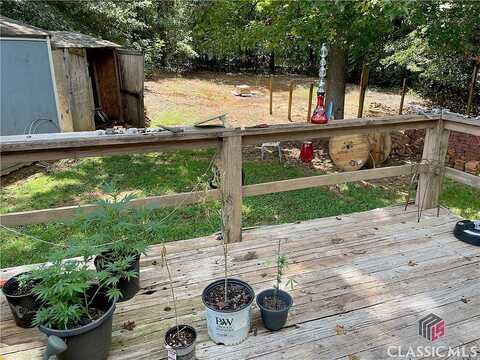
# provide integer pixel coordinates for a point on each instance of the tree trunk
(272, 62)
(336, 73)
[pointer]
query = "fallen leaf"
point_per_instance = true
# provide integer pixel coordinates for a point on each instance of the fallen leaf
(340, 330)
(129, 325)
(353, 357)
(412, 263)
(248, 256)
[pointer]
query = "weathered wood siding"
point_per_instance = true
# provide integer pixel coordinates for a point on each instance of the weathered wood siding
(107, 82)
(80, 90)
(131, 73)
(63, 90)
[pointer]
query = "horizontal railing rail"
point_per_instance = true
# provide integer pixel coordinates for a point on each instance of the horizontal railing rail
(230, 142)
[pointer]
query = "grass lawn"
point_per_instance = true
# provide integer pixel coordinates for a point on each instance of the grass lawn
(162, 173)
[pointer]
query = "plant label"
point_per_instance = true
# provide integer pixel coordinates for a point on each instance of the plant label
(171, 354)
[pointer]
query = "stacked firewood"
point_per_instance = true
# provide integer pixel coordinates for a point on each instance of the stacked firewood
(463, 152)
(408, 143)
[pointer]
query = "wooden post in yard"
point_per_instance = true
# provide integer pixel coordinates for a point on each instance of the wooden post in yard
(472, 86)
(271, 94)
(310, 94)
(434, 152)
(402, 98)
(231, 161)
(290, 95)
(363, 89)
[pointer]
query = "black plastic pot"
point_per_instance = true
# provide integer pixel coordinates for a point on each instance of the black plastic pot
(128, 287)
(184, 352)
(23, 307)
(91, 341)
(274, 319)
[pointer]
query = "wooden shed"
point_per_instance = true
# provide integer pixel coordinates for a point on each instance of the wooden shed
(96, 75)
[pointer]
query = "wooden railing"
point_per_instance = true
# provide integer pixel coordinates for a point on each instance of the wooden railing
(230, 142)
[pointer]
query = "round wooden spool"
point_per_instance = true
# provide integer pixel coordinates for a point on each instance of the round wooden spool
(380, 148)
(349, 152)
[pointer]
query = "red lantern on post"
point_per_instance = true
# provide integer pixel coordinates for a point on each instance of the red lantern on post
(306, 152)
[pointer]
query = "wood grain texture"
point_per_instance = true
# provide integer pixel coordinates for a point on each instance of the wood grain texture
(231, 172)
(463, 177)
(290, 99)
(402, 96)
(373, 274)
(324, 180)
(131, 74)
(309, 108)
(380, 148)
(79, 89)
(363, 89)
(434, 153)
(270, 88)
(63, 90)
(69, 212)
(349, 152)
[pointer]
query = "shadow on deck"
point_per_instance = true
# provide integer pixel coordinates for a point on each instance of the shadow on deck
(364, 282)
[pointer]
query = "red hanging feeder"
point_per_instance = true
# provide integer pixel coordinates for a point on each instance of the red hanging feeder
(319, 115)
(306, 152)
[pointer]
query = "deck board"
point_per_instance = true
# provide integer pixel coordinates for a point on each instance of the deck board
(374, 273)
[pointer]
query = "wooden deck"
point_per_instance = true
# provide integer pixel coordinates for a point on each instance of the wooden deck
(364, 282)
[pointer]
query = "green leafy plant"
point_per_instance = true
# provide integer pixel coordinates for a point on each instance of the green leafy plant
(66, 290)
(282, 265)
(117, 230)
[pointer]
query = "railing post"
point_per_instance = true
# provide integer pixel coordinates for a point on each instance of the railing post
(431, 176)
(232, 188)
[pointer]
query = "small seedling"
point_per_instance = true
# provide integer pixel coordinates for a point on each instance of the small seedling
(164, 261)
(282, 265)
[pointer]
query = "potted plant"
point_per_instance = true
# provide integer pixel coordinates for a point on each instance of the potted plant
(78, 305)
(275, 303)
(21, 300)
(179, 339)
(121, 234)
(228, 302)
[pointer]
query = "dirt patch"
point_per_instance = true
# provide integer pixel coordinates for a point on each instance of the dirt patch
(185, 99)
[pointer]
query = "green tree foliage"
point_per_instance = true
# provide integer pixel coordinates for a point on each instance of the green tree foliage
(437, 51)
(395, 37)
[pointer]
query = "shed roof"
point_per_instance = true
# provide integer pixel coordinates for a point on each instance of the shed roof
(14, 28)
(69, 39)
